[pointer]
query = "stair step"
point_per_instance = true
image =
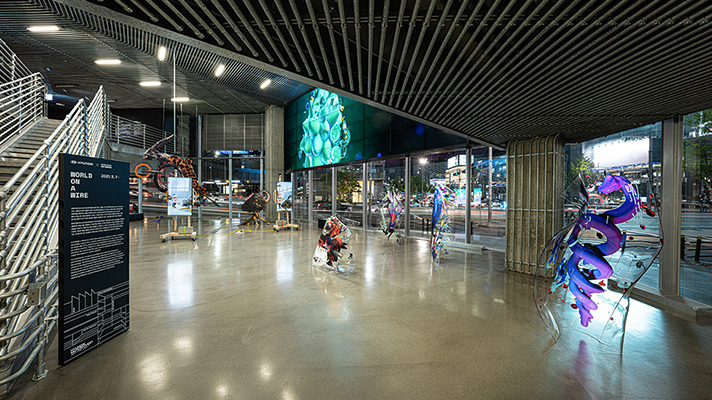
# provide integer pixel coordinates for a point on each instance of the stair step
(20, 153)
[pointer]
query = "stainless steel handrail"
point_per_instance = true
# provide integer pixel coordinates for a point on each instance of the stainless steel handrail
(137, 134)
(28, 233)
(20, 105)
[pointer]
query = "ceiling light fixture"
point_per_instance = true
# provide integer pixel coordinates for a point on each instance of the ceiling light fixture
(150, 83)
(219, 70)
(265, 83)
(162, 52)
(108, 61)
(43, 28)
(180, 99)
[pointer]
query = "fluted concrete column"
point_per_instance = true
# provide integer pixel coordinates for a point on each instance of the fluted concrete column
(671, 203)
(274, 154)
(535, 208)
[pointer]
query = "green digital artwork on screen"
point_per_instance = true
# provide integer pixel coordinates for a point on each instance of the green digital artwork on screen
(326, 135)
(323, 128)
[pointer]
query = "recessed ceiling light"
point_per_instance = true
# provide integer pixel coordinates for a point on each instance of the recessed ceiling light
(265, 83)
(49, 96)
(180, 99)
(219, 70)
(162, 51)
(43, 28)
(150, 83)
(108, 61)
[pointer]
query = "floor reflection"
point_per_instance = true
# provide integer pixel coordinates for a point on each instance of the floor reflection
(179, 281)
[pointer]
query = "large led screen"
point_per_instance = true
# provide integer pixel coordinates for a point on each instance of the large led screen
(323, 128)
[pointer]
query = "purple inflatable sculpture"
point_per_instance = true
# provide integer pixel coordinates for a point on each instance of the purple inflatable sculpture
(595, 260)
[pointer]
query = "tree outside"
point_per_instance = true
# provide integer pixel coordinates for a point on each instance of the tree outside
(581, 163)
(347, 184)
(697, 157)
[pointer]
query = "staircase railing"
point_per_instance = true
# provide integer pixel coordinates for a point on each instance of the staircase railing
(29, 207)
(21, 95)
(137, 134)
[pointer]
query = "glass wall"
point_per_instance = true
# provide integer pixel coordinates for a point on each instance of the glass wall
(449, 169)
(322, 193)
(696, 258)
(383, 175)
(489, 207)
(349, 192)
(301, 196)
(626, 154)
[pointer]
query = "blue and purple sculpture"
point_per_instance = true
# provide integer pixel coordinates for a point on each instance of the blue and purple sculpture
(443, 199)
(597, 259)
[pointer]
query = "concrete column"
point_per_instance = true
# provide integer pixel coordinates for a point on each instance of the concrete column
(274, 154)
(535, 208)
(671, 199)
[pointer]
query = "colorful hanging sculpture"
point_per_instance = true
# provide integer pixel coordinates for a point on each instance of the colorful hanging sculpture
(332, 246)
(443, 199)
(390, 213)
(596, 260)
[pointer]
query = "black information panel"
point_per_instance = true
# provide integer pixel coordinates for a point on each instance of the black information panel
(93, 253)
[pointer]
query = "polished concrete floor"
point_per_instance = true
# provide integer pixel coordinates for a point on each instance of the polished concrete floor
(246, 317)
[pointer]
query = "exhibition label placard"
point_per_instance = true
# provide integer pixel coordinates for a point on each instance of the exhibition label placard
(93, 253)
(180, 197)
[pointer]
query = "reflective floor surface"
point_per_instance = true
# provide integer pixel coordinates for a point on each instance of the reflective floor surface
(246, 317)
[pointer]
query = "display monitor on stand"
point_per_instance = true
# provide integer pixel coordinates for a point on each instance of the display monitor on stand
(180, 204)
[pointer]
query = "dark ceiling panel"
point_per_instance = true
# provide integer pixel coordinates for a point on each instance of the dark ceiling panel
(492, 70)
(66, 59)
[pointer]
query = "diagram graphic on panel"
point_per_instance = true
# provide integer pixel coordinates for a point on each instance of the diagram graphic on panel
(95, 317)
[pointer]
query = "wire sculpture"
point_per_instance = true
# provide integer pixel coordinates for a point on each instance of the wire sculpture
(390, 213)
(443, 199)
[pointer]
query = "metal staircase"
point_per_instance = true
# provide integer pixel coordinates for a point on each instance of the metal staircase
(16, 156)
(29, 207)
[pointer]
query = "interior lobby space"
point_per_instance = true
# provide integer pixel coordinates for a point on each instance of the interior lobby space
(303, 199)
(246, 316)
